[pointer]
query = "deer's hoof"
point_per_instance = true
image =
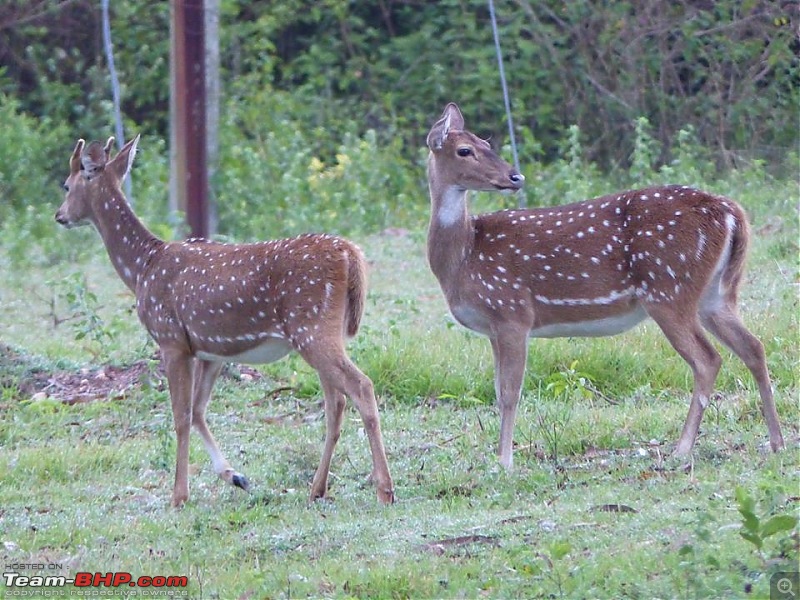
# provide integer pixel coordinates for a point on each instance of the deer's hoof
(682, 450)
(386, 495)
(240, 481)
(178, 500)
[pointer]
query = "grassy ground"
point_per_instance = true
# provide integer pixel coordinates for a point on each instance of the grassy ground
(595, 507)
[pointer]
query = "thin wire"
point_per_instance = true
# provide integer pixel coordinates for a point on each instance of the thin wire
(521, 195)
(114, 88)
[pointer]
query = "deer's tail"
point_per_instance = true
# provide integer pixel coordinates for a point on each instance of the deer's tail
(356, 291)
(739, 241)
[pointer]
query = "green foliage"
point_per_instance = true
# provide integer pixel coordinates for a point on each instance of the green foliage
(727, 69)
(325, 106)
(26, 182)
(569, 178)
(83, 306)
(270, 183)
(556, 569)
(55, 62)
(570, 383)
(552, 423)
(755, 529)
(699, 558)
(645, 151)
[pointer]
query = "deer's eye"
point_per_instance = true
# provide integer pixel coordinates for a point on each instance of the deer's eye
(66, 187)
(464, 151)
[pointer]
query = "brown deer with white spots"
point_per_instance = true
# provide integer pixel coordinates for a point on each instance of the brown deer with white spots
(206, 304)
(594, 268)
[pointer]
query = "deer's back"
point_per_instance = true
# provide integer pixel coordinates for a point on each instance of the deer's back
(225, 298)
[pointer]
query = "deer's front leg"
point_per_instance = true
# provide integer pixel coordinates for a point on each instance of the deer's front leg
(180, 375)
(510, 349)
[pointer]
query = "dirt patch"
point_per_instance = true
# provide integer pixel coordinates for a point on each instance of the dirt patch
(89, 384)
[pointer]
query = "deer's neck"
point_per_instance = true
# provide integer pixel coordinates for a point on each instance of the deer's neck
(129, 244)
(450, 233)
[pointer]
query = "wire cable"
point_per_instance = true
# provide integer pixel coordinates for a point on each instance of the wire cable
(521, 195)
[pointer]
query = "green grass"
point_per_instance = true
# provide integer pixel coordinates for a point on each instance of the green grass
(87, 486)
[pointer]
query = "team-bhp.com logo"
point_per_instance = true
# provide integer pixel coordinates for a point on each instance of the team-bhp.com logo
(17, 584)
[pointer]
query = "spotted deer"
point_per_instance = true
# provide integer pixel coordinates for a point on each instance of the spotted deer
(207, 303)
(594, 268)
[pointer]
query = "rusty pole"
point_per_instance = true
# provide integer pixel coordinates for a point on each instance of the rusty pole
(189, 100)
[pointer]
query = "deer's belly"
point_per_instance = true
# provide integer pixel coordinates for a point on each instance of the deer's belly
(267, 351)
(592, 328)
(471, 318)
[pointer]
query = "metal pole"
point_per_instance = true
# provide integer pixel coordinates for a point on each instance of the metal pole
(189, 128)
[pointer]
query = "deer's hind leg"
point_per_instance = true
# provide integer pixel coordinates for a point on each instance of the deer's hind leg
(723, 321)
(340, 378)
(206, 373)
(334, 413)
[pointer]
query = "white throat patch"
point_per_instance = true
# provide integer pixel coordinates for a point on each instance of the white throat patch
(453, 206)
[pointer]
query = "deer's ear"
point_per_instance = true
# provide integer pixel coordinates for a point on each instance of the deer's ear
(121, 164)
(451, 120)
(93, 159)
(75, 159)
(107, 148)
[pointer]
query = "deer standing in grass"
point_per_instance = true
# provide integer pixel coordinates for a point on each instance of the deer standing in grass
(594, 268)
(206, 304)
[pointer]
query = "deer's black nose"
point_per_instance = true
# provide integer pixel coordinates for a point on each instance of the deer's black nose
(516, 178)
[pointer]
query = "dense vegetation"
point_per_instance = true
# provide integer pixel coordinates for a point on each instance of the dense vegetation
(325, 104)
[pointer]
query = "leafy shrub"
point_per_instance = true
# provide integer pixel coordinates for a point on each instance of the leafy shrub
(28, 185)
(271, 183)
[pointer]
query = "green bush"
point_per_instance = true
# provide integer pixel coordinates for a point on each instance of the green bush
(29, 188)
(270, 183)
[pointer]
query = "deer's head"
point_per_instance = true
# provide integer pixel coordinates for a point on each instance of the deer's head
(92, 175)
(463, 157)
